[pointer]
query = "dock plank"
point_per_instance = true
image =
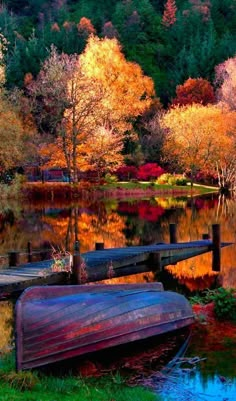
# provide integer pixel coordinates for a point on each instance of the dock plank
(125, 260)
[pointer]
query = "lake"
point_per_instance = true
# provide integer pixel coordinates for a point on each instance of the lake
(137, 222)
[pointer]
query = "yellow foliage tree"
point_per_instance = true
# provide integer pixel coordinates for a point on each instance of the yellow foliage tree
(198, 137)
(127, 92)
(105, 92)
(95, 94)
(103, 150)
(11, 136)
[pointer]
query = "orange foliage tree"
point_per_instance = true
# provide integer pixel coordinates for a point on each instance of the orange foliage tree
(103, 150)
(198, 136)
(95, 94)
(106, 92)
(12, 136)
(194, 90)
(85, 27)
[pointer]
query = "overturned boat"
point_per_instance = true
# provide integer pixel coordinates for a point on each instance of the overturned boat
(55, 323)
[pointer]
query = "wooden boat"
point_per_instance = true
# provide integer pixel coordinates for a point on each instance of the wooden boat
(54, 323)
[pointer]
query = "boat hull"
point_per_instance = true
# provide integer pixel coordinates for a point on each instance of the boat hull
(61, 322)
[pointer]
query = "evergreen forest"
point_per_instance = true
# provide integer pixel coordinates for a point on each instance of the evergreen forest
(203, 35)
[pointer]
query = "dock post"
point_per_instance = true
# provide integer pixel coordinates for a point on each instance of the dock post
(205, 236)
(173, 235)
(154, 260)
(13, 258)
(216, 250)
(76, 263)
(99, 246)
(29, 252)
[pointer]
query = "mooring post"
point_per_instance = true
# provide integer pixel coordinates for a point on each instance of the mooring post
(205, 236)
(13, 258)
(216, 250)
(76, 264)
(29, 252)
(173, 233)
(154, 260)
(99, 246)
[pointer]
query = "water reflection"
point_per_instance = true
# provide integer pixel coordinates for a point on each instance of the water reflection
(124, 223)
(193, 387)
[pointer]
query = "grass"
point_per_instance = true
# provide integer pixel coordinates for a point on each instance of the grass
(34, 386)
(201, 189)
(67, 192)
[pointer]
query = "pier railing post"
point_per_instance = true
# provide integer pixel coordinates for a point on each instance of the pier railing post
(76, 264)
(173, 233)
(216, 250)
(13, 258)
(99, 246)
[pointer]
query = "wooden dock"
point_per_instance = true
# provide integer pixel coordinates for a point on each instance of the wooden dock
(102, 264)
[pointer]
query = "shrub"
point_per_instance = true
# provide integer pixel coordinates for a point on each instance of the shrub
(126, 173)
(149, 171)
(164, 179)
(172, 179)
(224, 303)
(204, 177)
(181, 181)
(109, 178)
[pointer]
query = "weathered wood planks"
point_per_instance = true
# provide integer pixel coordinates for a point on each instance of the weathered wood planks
(124, 261)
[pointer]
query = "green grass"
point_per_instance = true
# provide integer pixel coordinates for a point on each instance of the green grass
(201, 189)
(34, 386)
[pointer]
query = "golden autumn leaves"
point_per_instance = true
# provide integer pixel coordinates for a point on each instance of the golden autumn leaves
(103, 93)
(200, 137)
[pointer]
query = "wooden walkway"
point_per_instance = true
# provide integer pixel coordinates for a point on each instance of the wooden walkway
(124, 261)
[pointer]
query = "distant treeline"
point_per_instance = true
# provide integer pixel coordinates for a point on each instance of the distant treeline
(170, 40)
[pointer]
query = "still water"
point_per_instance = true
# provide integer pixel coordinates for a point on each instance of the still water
(138, 222)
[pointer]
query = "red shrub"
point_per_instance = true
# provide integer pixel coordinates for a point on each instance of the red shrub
(149, 171)
(126, 173)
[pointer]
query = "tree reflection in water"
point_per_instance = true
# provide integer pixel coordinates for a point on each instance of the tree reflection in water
(125, 223)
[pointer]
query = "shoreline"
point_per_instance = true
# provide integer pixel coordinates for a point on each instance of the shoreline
(64, 191)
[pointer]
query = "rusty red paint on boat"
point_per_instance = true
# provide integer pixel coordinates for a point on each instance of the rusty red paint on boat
(61, 322)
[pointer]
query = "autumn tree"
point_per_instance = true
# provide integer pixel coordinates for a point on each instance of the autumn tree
(63, 103)
(109, 31)
(127, 92)
(110, 92)
(226, 82)
(85, 27)
(48, 92)
(103, 150)
(194, 90)
(169, 15)
(198, 136)
(151, 134)
(81, 96)
(11, 136)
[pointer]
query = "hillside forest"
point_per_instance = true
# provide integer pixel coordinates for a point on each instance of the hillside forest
(100, 86)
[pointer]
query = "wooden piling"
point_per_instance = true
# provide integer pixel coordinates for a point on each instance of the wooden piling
(13, 258)
(205, 236)
(154, 261)
(99, 246)
(29, 252)
(76, 263)
(216, 249)
(173, 233)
